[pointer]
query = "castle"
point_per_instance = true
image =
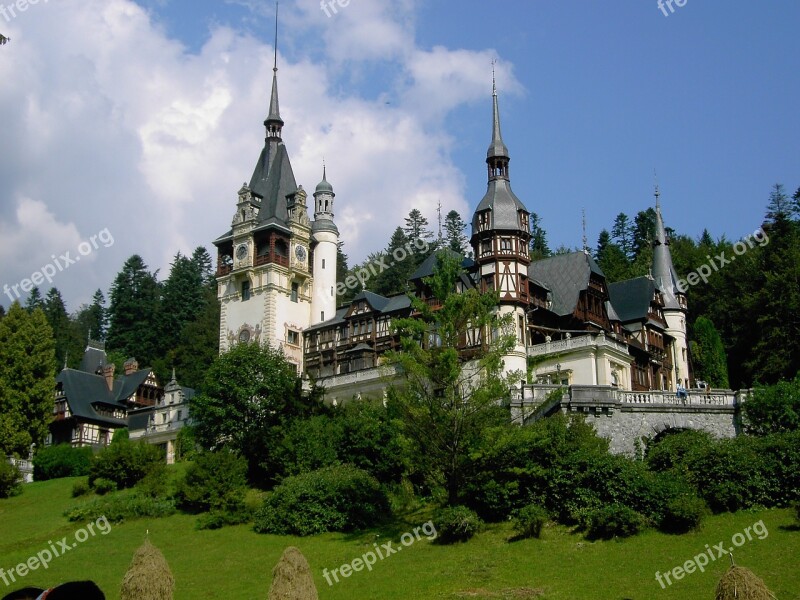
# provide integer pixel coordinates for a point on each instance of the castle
(276, 274)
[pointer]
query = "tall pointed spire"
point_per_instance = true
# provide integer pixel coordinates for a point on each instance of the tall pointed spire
(663, 270)
(497, 157)
(274, 123)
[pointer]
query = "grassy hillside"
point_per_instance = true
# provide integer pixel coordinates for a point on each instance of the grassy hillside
(235, 562)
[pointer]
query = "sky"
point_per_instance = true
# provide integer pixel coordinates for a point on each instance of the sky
(128, 127)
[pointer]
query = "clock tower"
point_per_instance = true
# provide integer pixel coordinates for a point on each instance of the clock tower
(265, 273)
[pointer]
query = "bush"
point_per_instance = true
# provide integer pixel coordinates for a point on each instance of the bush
(217, 519)
(529, 521)
(185, 444)
(773, 409)
(80, 488)
(614, 520)
(674, 450)
(125, 463)
(683, 513)
(215, 481)
(121, 506)
(103, 486)
(456, 524)
(53, 462)
(337, 498)
(9, 479)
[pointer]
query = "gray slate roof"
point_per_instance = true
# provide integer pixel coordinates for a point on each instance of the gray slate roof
(631, 298)
(503, 204)
(429, 264)
(565, 275)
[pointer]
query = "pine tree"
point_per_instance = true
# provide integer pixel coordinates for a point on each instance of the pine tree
(644, 230)
(2, 311)
(708, 354)
(622, 233)
(97, 318)
(182, 300)
(34, 300)
(205, 265)
(56, 313)
(394, 280)
(198, 345)
(779, 207)
(416, 227)
(454, 227)
(27, 381)
(133, 311)
(539, 247)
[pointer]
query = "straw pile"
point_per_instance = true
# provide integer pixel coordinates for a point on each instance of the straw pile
(742, 584)
(149, 576)
(291, 578)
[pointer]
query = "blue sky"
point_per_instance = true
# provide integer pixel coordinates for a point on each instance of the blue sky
(145, 119)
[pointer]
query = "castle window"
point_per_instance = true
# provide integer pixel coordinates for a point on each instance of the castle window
(245, 291)
(505, 244)
(293, 337)
(323, 263)
(295, 292)
(322, 315)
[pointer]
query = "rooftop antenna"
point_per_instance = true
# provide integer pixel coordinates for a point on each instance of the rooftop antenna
(658, 191)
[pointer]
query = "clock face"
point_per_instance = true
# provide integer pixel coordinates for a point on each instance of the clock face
(300, 252)
(241, 252)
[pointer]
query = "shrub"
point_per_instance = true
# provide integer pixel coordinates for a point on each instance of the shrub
(456, 524)
(529, 521)
(103, 486)
(185, 444)
(217, 482)
(80, 488)
(683, 513)
(337, 498)
(9, 479)
(121, 506)
(125, 463)
(614, 520)
(773, 409)
(217, 519)
(53, 462)
(673, 450)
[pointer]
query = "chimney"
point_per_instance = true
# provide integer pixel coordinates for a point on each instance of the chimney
(131, 366)
(108, 373)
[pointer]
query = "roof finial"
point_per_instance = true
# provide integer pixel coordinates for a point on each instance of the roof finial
(585, 239)
(324, 170)
(494, 80)
(658, 191)
(275, 63)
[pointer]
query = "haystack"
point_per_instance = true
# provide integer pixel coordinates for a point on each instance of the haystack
(149, 576)
(291, 578)
(742, 584)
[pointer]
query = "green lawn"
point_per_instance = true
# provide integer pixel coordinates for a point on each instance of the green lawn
(235, 562)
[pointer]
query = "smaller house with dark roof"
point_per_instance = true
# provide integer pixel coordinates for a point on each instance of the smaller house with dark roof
(91, 403)
(161, 423)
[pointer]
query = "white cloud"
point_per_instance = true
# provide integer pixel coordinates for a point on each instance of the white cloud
(110, 123)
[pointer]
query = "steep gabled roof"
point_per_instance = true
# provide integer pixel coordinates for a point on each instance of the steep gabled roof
(429, 264)
(273, 180)
(83, 390)
(631, 298)
(565, 275)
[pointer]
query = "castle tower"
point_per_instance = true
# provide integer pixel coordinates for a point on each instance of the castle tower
(263, 274)
(675, 304)
(500, 238)
(325, 240)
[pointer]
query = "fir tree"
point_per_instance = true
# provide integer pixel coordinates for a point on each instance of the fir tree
(198, 345)
(34, 300)
(780, 206)
(644, 231)
(182, 300)
(622, 233)
(416, 227)
(56, 313)
(133, 311)
(454, 227)
(205, 266)
(27, 364)
(708, 354)
(539, 247)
